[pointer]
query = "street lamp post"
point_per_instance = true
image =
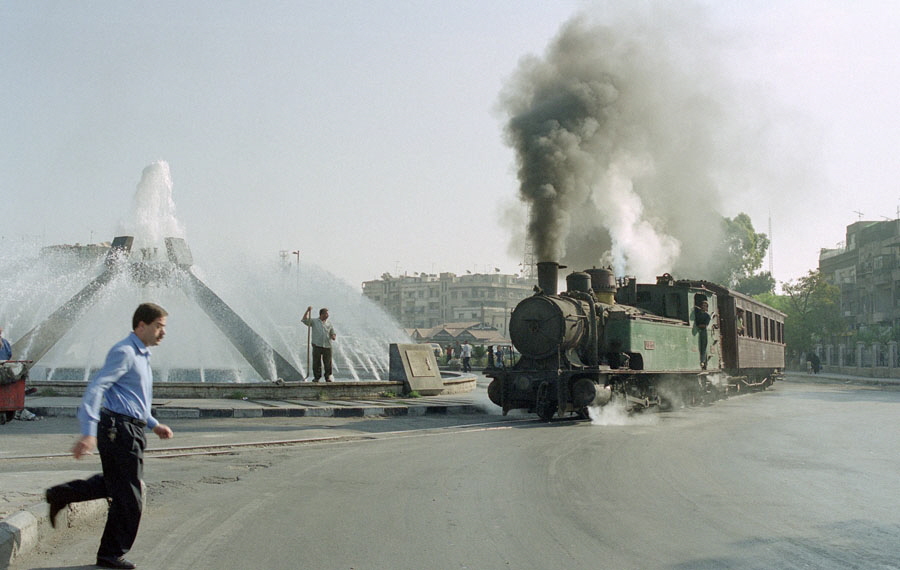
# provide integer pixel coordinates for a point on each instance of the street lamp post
(297, 253)
(308, 329)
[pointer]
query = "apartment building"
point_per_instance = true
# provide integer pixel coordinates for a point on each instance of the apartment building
(421, 301)
(866, 268)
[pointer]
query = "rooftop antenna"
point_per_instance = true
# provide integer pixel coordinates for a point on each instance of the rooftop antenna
(858, 213)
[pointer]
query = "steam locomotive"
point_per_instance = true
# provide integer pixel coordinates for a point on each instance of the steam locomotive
(645, 344)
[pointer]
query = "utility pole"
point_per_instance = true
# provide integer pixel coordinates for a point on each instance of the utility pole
(297, 253)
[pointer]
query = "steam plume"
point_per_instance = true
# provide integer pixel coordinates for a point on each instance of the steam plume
(618, 131)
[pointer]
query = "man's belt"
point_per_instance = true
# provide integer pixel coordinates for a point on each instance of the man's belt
(124, 418)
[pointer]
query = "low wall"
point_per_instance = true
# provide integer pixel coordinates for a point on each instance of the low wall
(454, 383)
(869, 372)
(863, 372)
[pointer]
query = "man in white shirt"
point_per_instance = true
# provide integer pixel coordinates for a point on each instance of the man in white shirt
(322, 335)
(465, 351)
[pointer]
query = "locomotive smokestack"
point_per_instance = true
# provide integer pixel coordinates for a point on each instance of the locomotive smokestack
(548, 276)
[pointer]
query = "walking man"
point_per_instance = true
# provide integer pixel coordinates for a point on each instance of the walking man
(322, 335)
(465, 351)
(114, 411)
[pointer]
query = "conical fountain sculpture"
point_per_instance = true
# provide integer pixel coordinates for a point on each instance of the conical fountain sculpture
(268, 363)
(231, 320)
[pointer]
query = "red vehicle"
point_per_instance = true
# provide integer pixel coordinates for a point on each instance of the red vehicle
(12, 389)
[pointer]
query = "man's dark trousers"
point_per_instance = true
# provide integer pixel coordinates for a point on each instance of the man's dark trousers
(321, 355)
(121, 445)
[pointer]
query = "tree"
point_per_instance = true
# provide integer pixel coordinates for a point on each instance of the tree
(812, 308)
(740, 254)
(758, 284)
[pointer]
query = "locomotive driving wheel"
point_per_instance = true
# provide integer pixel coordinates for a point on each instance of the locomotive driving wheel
(545, 406)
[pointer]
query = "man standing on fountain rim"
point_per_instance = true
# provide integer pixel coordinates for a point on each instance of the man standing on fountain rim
(322, 335)
(114, 411)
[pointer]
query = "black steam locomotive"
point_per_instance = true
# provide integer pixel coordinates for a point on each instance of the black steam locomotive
(662, 344)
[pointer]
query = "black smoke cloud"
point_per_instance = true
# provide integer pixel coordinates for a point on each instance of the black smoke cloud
(626, 137)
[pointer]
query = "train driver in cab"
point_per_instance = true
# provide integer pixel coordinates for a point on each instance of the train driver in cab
(702, 319)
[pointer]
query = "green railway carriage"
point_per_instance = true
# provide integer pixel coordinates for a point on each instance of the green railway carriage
(752, 335)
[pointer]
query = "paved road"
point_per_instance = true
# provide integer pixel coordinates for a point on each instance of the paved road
(803, 476)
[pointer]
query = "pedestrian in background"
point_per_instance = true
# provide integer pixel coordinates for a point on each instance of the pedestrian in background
(465, 351)
(114, 411)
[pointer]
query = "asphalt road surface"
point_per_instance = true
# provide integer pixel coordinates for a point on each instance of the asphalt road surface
(804, 476)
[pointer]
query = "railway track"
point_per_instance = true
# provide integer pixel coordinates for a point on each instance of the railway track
(234, 447)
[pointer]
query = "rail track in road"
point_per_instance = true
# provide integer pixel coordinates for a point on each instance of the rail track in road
(233, 447)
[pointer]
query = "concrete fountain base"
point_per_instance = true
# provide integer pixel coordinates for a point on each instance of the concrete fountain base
(454, 383)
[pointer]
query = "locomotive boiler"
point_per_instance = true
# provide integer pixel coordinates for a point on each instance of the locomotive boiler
(661, 344)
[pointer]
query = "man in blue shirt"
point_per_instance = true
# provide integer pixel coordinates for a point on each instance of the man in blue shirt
(114, 411)
(8, 375)
(5, 348)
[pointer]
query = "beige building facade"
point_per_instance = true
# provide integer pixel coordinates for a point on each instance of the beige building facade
(428, 300)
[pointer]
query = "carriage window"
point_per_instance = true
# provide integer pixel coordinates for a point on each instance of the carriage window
(772, 336)
(748, 323)
(757, 326)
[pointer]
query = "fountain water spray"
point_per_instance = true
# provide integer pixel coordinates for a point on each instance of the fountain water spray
(229, 321)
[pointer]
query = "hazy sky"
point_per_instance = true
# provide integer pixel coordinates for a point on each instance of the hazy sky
(369, 134)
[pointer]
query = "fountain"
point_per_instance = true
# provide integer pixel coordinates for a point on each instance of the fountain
(230, 321)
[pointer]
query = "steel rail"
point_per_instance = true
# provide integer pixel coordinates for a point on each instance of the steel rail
(231, 447)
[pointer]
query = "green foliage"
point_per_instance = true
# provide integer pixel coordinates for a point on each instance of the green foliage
(739, 255)
(874, 334)
(779, 302)
(414, 394)
(812, 308)
(478, 352)
(236, 395)
(758, 284)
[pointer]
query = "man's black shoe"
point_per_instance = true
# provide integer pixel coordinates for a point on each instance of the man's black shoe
(55, 506)
(30, 391)
(119, 562)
